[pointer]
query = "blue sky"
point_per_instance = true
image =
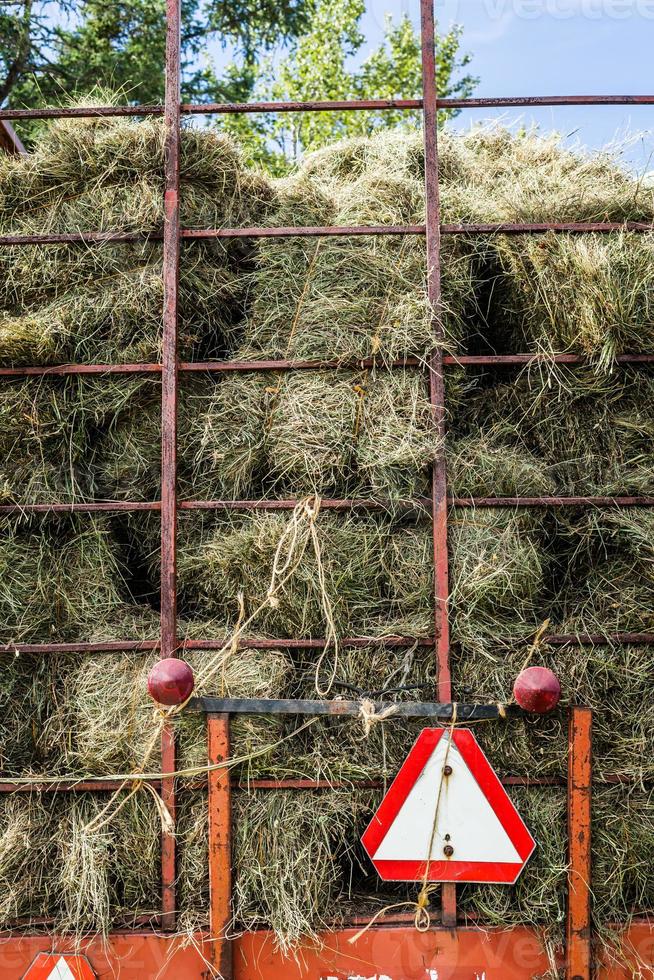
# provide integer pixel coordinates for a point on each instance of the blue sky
(554, 47)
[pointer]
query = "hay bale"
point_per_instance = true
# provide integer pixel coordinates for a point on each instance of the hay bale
(351, 298)
(497, 575)
(104, 302)
(91, 715)
(591, 295)
(377, 575)
(52, 868)
(587, 433)
(610, 580)
(60, 578)
(290, 859)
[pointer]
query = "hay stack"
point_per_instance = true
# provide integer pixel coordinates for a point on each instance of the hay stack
(352, 433)
(103, 303)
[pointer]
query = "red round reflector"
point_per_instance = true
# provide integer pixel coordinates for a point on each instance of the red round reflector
(537, 689)
(171, 681)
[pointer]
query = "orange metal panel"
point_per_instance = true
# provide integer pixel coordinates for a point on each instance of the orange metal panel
(579, 815)
(220, 851)
(393, 953)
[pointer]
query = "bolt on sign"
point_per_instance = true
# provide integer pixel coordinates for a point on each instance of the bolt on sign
(60, 966)
(447, 817)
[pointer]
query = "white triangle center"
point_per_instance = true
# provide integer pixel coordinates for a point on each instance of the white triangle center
(61, 971)
(466, 821)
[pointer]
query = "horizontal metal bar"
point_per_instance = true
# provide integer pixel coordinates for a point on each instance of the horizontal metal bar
(16, 785)
(351, 709)
(391, 642)
(109, 506)
(534, 101)
(285, 643)
(286, 364)
(501, 360)
(343, 105)
(64, 369)
(110, 646)
(298, 365)
(328, 231)
(346, 504)
(551, 501)
(354, 503)
(327, 105)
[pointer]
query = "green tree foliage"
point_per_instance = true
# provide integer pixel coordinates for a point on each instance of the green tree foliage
(55, 48)
(322, 64)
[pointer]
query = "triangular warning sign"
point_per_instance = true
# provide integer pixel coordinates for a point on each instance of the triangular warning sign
(60, 966)
(448, 814)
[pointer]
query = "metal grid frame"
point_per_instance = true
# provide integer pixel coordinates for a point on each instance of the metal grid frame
(169, 506)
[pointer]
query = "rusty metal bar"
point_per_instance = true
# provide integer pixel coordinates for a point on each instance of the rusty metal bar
(436, 380)
(10, 141)
(64, 369)
(346, 105)
(353, 503)
(219, 367)
(508, 360)
(352, 709)
(112, 646)
(210, 367)
(329, 231)
(291, 365)
(220, 850)
(80, 508)
(579, 951)
(347, 504)
(16, 785)
(356, 642)
(169, 391)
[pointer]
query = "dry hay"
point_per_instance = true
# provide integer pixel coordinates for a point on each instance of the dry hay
(359, 434)
(358, 297)
(564, 430)
(52, 868)
(610, 581)
(90, 714)
(498, 575)
(50, 428)
(60, 578)
(377, 574)
(104, 302)
(290, 857)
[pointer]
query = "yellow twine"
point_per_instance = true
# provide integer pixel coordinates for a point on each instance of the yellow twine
(361, 392)
(370, 717)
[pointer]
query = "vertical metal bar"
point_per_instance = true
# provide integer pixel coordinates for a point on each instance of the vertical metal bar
(171, 250)
(579, 950)
(436, 379)
(220, 850)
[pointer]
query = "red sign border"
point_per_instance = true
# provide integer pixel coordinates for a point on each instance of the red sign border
(474, 872)
(78, 964)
